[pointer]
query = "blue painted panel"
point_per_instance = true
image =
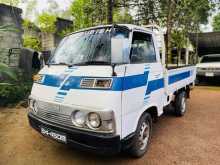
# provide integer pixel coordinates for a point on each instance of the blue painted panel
(53, 80)
(62, 93)
(154, 85)
(178, 77)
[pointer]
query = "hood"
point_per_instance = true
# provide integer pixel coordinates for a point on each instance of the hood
(208, 65)
(62, 84)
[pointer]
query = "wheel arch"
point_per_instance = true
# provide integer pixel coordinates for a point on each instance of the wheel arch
(185, 89)
(153, 111)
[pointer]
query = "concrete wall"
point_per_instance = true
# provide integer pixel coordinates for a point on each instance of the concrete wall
(10, 16)
(51, 40)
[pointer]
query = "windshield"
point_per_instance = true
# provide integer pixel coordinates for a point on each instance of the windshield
(89, 47)
(207, 59)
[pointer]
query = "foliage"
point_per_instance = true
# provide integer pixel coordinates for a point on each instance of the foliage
(88, 13)
(13, 93)
(122, 16)
(47, 22)
(10, 2)
(31, 42)
(8, 28)
(179, 39)
(5, 70)
(216, 22)
(81, 9)
(27, 24)
(66, 31)
(12, 88)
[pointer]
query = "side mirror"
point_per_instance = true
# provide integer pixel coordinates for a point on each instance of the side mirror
(116, 50)
(120, 50)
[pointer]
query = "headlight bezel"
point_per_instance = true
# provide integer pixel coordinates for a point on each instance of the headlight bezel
(74, 120)
(106, 119)
(89, 122)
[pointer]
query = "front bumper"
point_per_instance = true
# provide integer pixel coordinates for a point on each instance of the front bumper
(98, 143)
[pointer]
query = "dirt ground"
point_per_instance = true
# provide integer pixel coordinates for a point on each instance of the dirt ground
(193, 139)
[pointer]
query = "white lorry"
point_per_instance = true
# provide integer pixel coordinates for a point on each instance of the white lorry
(103, 88)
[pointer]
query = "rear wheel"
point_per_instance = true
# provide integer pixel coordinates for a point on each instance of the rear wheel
(142, 136)
(180, 104)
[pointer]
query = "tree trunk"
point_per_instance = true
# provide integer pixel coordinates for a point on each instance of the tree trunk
(169, 30)
(178, 56)
(187, 53)
(110, 11)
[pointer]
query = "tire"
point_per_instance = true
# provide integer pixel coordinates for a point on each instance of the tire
(142, 136)
(180, 104)
(198, 80)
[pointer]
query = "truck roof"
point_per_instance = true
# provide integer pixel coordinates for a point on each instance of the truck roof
(128, 26)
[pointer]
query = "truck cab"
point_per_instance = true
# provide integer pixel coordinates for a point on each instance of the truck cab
(103, 88)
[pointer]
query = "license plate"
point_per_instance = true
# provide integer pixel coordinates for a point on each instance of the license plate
(53, 134)
(209, 74)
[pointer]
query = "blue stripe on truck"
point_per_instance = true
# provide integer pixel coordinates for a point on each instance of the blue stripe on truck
(178, 77)
(119, 83)
(154, 85)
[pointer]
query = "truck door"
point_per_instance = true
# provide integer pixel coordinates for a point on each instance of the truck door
(142, 77)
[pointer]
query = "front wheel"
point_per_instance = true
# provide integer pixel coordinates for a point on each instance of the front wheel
(180, 104)
(142, 136)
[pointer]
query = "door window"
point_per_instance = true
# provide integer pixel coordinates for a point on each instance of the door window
(142, 49)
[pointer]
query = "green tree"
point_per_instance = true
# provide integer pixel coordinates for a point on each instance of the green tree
(32, 42)
(10, 2)
(47, 22)
(122, 16)
(81, 11)
(216, 22)
(184, 14)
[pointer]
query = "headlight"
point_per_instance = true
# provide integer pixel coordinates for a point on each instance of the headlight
(93, 120)
(102, 121)
(78, 118)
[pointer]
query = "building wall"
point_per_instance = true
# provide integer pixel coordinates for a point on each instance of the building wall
(51, 40)
(10, 16)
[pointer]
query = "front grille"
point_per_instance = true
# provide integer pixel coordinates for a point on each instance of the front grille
(210, 69)
(87, 83)
(55, 117)
(54, 113)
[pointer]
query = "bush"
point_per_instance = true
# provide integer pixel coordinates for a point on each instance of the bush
(12, 94)
(32, 42)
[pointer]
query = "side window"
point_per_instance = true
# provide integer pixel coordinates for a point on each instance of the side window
(142, 49)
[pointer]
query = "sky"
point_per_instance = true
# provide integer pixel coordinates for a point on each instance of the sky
(42, 5)
(63, 4)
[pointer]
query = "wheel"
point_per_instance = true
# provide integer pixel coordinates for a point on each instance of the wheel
(142, 136)
(180, 104)
(198, 80)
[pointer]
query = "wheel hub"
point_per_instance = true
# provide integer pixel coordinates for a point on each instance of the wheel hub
(144, 135)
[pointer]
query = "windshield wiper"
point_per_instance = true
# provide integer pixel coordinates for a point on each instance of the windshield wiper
(91, 63)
